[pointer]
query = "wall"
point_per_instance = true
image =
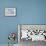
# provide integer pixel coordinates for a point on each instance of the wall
(31, 11)
(28, 12)
(7, 24)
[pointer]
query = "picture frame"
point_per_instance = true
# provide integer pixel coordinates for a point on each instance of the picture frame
(10, 11)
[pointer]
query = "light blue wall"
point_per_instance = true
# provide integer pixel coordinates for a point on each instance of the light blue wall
(28, 12)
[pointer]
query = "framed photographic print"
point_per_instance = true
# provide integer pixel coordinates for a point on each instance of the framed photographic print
(10, 11)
